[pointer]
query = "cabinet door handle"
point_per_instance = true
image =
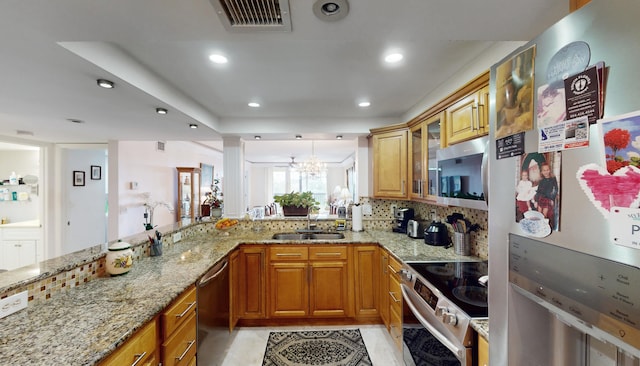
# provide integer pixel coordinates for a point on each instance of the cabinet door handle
(139, 358)
(327, 254)
(393, 296)
(474, 114)
(288, 254)
(403, 187)
(186, 310)
(191, 343)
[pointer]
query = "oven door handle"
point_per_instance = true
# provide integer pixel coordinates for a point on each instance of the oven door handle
(460, 352)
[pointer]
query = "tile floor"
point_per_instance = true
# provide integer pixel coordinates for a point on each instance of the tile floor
(247, 345)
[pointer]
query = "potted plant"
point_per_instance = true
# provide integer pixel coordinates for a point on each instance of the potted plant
(296, 203)
(213, 201)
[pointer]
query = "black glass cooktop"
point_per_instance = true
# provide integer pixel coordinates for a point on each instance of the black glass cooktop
(458, 282)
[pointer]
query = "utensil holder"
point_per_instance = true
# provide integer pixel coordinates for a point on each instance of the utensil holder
(461, 243)
(156, 248)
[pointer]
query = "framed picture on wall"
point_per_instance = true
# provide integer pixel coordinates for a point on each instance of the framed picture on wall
(96, 172)
(78, 178)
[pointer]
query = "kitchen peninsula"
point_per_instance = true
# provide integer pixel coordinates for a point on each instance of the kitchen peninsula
(85, 324)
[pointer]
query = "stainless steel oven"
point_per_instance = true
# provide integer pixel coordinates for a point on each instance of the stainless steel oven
(441, 298)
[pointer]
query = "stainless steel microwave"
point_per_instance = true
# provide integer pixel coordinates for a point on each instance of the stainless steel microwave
(462, 174)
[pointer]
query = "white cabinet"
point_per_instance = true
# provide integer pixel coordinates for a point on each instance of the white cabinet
(18, 247)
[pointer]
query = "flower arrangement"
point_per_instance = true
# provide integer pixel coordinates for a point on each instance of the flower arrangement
(212, 198)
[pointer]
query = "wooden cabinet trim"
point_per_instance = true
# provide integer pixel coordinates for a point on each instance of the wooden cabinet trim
(471, 87)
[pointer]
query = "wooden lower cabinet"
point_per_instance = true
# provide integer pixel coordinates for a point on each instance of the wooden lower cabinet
(308, 281)
(483, 351)
(179, 330)
(234, 287)
(384, 287)
(394, 297)
(180, 348)
(329, 282)
(366, 276)
(140, 349)
(252, 289)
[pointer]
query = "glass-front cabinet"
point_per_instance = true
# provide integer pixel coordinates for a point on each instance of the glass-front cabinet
(424, 140)
(188, 207)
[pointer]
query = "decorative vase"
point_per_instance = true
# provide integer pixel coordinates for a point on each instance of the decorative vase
(216, 212)
(294, 211)
(119, 258)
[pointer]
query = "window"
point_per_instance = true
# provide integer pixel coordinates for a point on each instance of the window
(290, 180)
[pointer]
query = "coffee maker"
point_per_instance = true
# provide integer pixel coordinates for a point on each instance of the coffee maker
(402, 217)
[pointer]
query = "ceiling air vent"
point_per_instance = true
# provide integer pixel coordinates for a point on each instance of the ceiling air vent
(254, 15)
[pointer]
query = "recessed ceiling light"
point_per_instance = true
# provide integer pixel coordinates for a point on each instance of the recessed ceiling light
(393, 58)
(218, 59)
(103, 83)
(257, 137)
(298, 137)
(253, 104)
(339, 137)
(193, 125)
(161, 111)
(364, 104)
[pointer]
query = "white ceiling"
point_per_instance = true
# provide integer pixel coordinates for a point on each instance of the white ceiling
(308, 80)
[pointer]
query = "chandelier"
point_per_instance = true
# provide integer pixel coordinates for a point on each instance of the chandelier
(313, 166)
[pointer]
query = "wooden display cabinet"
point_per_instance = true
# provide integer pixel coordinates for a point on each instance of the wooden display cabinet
(424, 140)
(188, 207)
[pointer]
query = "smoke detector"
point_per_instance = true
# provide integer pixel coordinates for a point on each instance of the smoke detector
(331, 10)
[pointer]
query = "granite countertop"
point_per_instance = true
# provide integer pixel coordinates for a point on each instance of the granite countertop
(481, 326)
(83, 325)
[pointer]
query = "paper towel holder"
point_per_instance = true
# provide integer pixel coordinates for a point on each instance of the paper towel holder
(356, 218)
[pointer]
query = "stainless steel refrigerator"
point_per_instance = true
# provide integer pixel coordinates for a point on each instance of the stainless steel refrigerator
(521, 331)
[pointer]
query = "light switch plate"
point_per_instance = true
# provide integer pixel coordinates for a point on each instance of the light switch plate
(177, 237)
(367, 209)
(13, 303)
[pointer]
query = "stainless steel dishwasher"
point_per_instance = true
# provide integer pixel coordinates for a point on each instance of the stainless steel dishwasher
(213, 315)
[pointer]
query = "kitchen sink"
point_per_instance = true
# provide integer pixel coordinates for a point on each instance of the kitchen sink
(308, 236)
(327, 236)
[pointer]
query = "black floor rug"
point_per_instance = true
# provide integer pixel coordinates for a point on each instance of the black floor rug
(316, 347)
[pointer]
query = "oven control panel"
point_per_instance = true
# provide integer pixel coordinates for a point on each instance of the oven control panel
(426, 293)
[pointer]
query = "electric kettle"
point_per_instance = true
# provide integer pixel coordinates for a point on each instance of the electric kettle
(437, 234)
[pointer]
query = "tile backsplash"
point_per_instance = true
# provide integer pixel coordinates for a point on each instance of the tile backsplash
(380, 219)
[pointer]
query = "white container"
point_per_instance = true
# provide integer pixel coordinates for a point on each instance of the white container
(119, 258)
(13, 178)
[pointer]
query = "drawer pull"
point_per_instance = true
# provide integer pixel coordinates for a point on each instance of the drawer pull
(289, 254)
(328, 254)
(393, 296)
(139, 357)
(186, 310)
(186, 350)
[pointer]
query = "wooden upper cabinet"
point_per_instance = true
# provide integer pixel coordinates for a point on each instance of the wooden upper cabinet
(577, 4)
(390, 164)
(467, 118)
